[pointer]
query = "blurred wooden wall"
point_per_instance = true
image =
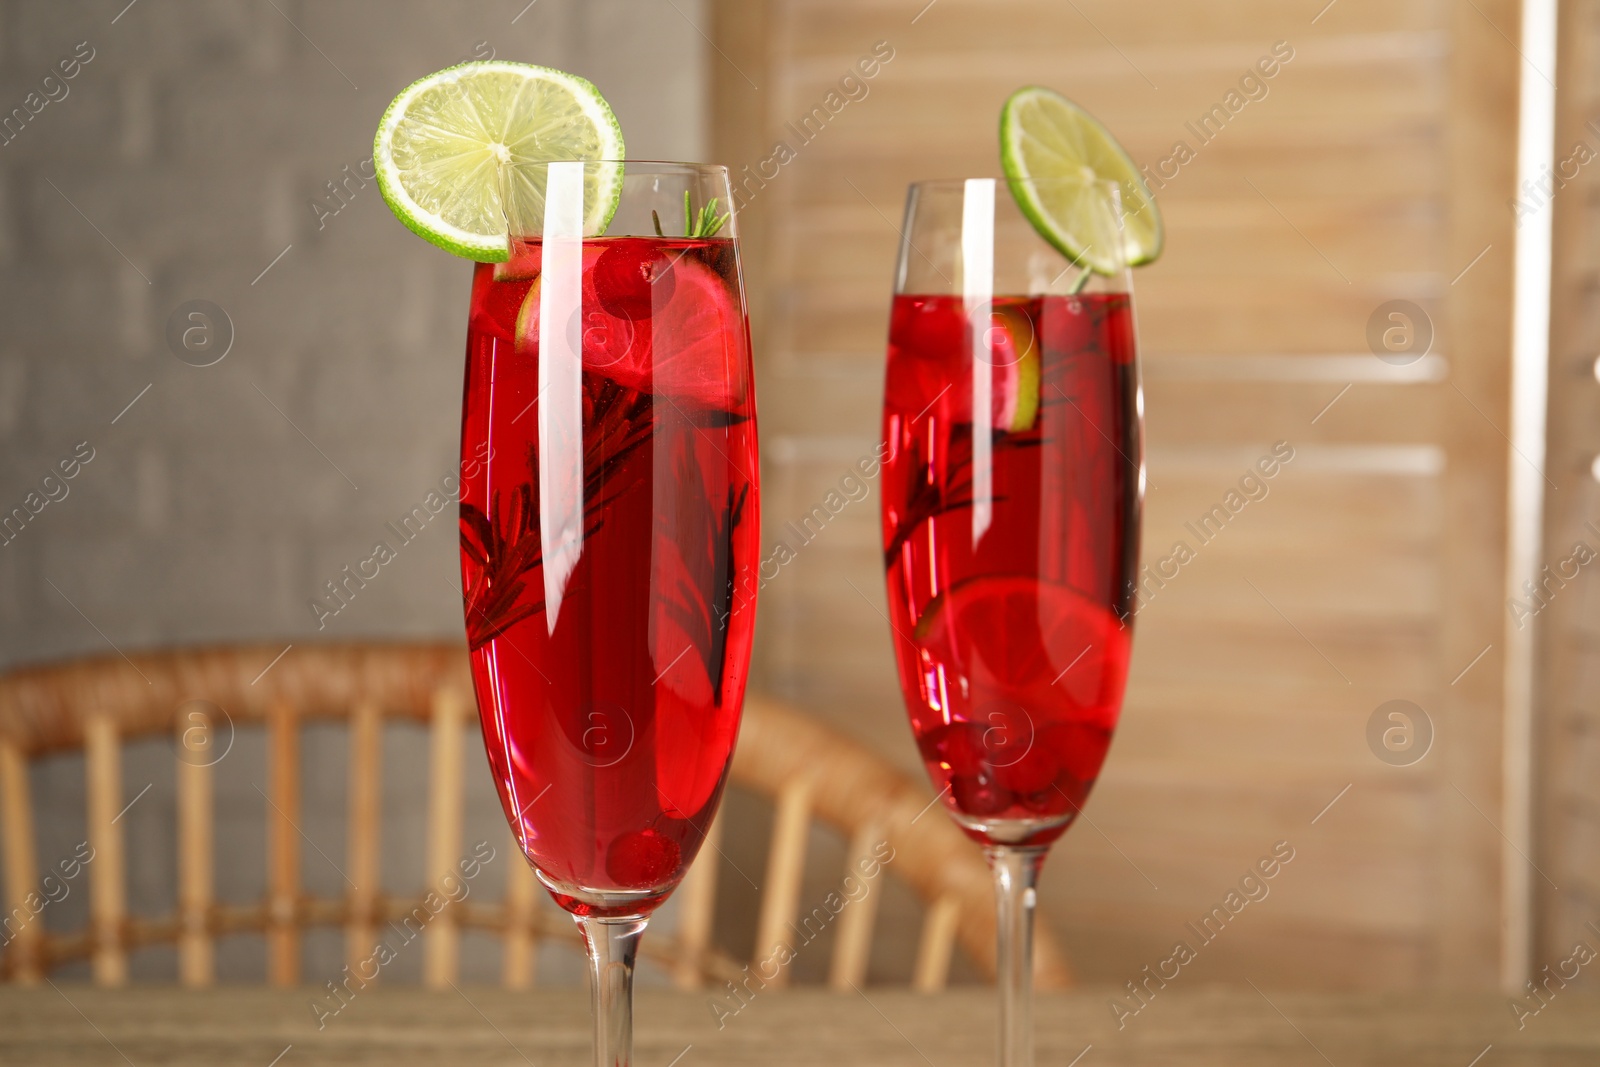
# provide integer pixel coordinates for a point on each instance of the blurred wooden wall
(1568, 623)
(1376, 165)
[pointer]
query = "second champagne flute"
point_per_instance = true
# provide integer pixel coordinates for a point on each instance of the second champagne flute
(1012, 486)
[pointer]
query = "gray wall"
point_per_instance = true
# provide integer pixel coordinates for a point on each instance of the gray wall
(182, 164)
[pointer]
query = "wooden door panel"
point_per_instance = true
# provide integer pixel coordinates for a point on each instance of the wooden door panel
(1376, 168)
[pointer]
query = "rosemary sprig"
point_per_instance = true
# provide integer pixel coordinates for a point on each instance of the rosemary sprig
(697, 225)
(707, 223)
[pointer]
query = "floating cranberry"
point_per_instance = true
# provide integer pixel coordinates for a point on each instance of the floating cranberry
(1007, 732)
(960, 747)
(1047, 801)
(1027, 771)
(978, 795)
(1080, 748)
(642, 859)
(632, 279)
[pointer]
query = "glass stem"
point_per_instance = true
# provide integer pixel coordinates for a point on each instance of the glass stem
(1016, 873)
(613, 943)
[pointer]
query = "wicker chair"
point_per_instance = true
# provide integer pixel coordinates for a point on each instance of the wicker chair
(94, 705)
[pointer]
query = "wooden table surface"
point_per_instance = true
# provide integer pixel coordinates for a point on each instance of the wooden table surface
(399, 1027)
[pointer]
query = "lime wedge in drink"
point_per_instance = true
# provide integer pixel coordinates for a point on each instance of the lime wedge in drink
(1015, 351)
(441, 144)
(1045, 136)
(1019, 633)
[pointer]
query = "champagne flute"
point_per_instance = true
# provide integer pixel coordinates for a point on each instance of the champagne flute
(1012, 489)
(609, 535)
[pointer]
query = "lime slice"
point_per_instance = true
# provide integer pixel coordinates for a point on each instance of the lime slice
(1044, 136)
(440, 145)
(1017, 385)
(1033, 642)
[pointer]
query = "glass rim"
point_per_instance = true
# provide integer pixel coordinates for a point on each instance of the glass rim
(958, 183)
(648, 164)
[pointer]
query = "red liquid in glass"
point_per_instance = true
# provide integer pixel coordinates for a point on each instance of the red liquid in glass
(610, 722)
(1012, 620)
